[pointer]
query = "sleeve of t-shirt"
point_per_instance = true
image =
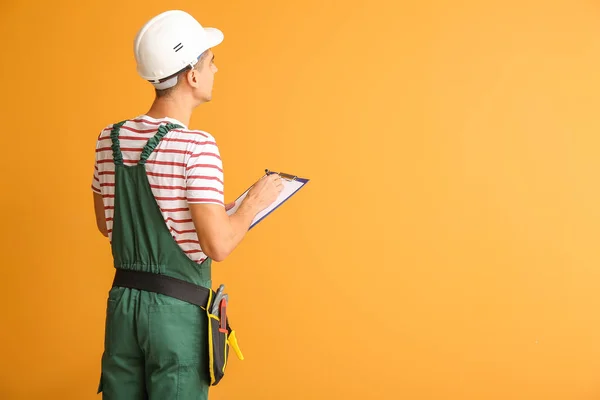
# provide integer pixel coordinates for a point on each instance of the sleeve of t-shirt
(96, 179)
(204, 176)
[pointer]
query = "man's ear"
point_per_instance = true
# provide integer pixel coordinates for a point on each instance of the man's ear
(192, 77)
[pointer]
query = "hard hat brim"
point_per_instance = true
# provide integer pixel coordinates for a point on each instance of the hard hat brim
(214, 36)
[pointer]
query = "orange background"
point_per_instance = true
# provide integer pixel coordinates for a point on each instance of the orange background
(446, 247)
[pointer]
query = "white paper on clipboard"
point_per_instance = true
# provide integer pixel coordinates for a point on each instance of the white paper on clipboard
(291, 185)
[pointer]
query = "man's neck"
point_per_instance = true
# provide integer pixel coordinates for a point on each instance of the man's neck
(172, 108)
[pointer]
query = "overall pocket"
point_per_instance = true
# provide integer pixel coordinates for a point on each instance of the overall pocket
(111, 304)
(175, 333)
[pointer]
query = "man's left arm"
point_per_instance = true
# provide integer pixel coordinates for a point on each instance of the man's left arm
(98, 201)
(99, 210)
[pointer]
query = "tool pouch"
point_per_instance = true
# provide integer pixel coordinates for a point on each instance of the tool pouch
(221, 338)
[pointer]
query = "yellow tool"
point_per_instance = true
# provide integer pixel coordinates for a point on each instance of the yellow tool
(232, 340)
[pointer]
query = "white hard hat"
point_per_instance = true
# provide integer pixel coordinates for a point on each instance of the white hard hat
(169, 43)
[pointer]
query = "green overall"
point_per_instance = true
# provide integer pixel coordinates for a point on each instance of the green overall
(155, 345)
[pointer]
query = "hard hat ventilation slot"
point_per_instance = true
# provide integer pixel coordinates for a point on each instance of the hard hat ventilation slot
(178, 47)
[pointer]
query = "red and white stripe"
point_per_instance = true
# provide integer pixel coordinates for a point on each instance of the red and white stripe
(184, 168)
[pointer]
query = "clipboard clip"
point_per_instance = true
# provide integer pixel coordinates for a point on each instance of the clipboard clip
(285, 176)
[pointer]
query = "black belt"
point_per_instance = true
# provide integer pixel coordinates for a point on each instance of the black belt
(162, 284)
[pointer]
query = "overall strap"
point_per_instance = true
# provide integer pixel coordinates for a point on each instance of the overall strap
(116, 148)
(153, 142)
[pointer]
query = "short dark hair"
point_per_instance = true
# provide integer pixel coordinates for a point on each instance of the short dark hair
(166, 92)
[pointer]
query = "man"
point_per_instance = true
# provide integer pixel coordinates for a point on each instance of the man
(158, 196)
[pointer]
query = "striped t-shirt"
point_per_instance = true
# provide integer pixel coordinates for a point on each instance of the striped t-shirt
(184, 168)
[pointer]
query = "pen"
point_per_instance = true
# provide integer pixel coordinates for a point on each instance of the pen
(271, 172)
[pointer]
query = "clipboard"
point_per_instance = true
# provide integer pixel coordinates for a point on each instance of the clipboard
(291, 185)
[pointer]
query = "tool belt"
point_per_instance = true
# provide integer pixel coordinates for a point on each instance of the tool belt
(220, 336)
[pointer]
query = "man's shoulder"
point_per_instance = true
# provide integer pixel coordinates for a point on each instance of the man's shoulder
(196, 132)
(105, 131)
(194, 137)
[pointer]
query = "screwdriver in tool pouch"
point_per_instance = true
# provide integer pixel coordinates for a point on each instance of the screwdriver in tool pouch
(223, 315)
(215, 306)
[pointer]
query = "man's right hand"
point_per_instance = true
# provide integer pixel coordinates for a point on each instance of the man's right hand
(264, 192)
(218, 233)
